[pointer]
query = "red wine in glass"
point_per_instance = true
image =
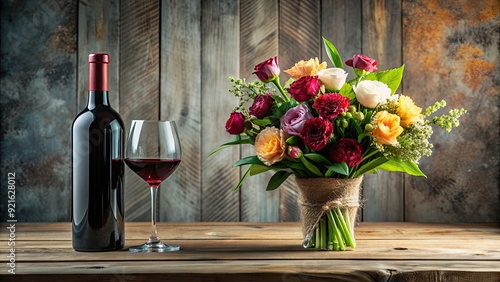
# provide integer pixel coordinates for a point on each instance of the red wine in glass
(153, 171)
(153, 152)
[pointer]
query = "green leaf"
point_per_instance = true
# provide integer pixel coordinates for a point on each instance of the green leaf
(333, 54)
(370, 166)
(399, 166)
(243, 178)
(347, 91)
(312, 168)
(248, 160)
(257, 169)
(295, 140)
(261, 122)
(391, 77)
(340, 167)
(318, 158)
(277, 179)
(237, 141)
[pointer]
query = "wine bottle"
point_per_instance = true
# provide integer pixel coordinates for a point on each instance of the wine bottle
(98, 167)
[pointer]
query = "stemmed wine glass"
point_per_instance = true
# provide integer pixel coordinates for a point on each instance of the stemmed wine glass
(153, 152)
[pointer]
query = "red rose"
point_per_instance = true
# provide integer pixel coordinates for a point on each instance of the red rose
(262, 105)
(316, 133)
(346, 150)
(362, 62)
(305, 88)
(236, 123)
(329, 106)
(267, 70)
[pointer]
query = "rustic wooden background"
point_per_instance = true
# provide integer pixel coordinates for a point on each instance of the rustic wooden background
(171, 60)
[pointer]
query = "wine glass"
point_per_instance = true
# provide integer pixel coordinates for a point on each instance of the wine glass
(153, 152)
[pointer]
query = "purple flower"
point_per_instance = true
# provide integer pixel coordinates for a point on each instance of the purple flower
(293, 121)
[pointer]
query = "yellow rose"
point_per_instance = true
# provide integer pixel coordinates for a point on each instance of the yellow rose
(270, 145)
(387, 128)
(303, 68)
(408, 111)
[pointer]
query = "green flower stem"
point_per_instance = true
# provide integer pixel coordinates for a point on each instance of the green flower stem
(276, 82)
(324, 239)
(346, 232)
(336, 230)
(317, 245)
(350, 227)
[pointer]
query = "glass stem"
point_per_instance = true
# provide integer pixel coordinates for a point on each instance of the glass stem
(153, 238)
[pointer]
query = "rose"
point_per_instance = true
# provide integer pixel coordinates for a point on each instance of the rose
(305, 88)
(329, 106)
(346, 150)
(387, 128)
(370, 93)
(316, 133)
(262, 105)
(303, 68)
(294, 152)
(408, 111)
(270, 145)
(333, 78)
(294, 119)
(268, 70)
(362, 62)
(236, 123)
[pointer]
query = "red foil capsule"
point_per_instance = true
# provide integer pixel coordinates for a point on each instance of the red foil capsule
(98, 71)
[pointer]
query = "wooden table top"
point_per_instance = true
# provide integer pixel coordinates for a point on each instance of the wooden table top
(260, 251)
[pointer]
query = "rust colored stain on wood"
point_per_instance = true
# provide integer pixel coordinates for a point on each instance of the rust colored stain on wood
(450, 49)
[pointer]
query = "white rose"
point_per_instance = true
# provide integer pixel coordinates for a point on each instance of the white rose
(332, 78)
(370, 93)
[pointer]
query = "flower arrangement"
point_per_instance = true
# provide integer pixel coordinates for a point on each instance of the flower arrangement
(320, 125)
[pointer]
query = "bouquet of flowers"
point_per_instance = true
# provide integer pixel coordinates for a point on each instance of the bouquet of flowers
(318, 125)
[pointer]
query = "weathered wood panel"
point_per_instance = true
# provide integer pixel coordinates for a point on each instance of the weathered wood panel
(38, 104)
(219, 60)
(258, 42)
(98, 32)
(451, 52)
(449, 49)
(381, 34)
(299, 39)
(180, 100)
(139, 87)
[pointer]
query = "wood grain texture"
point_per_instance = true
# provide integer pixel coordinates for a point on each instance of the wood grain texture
(98, 32)
(384, 191)
(341, 24)
(299, 39)
(267, 251)
(38, 104)
(139, 87)
(453, 54)
(258, 42)
(180, 100)
(219, 60)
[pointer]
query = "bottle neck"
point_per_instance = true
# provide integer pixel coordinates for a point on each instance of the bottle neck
(98, 98)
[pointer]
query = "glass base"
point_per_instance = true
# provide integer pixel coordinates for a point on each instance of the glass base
(154, 247)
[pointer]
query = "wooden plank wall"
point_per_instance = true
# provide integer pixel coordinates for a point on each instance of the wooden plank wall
(172, 59)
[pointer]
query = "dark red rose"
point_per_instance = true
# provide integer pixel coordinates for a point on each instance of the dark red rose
(346, 150)
(329, 106)
(262, 106)
(362, 62)
(236, 123)
(267, 70)
(304, 88)
(316, 133)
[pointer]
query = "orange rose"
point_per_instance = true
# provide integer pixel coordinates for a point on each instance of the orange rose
(408, 111)
(387, 128)
(270, 145)
(303, 68)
